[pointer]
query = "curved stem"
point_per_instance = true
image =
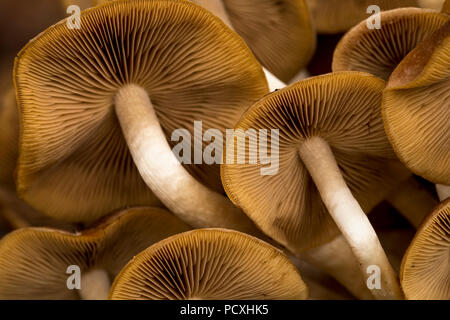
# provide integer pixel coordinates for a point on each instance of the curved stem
(443, 191)
(95, 285)
(186, 197)
(337, 259)
(412, 200)
(348, 215)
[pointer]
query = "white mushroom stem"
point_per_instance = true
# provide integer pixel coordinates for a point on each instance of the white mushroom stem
(95, 285)
(317, 156)
(182, 194)
(443, 191)
(412, 200)
(217, 7)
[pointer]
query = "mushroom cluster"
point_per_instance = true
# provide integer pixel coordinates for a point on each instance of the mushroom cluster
(225, 149)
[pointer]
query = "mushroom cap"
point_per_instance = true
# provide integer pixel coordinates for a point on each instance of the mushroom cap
(74, 163)
(17, 214)
(279, 32)
(342, 108)
(379, 51)
(425, 270)
(416, 108)
(209, 264)
(336, 16)
(33, 261)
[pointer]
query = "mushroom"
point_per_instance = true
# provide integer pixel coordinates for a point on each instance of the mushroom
(425, 267)
(98, 106)
(416, 111)
(34, 262)
(279, 32)
(333, 154)
(17, 214)
(379, 51)
(336, 16)
(283, 44)
(209, 264)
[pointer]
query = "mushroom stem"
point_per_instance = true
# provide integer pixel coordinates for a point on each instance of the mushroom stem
(412, 200)
(443, 191)
(217, 7)
(318, 158)
(274, 82)
(95, 285)
(337, 259)
(182, 194)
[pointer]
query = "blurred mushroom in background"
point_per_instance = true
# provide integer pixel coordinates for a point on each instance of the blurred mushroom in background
(34, 261)
(337, 16)
(280, 33)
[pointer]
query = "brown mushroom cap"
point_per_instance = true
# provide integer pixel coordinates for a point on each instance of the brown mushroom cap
(379, 51)
(209, 264)
(280, 33)
(33, 261)
(343, 109)
(335, 16)
(425, 267)
(17, 214)
(74, 163)
(416, 108)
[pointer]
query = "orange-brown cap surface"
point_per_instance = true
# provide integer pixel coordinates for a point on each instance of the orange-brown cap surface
(209, 264)
(74, 163)
(425, 271)
(280, 33)
(344, 110)
(33, 261)
(379, 51)
(335, 16)
(416, 108)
